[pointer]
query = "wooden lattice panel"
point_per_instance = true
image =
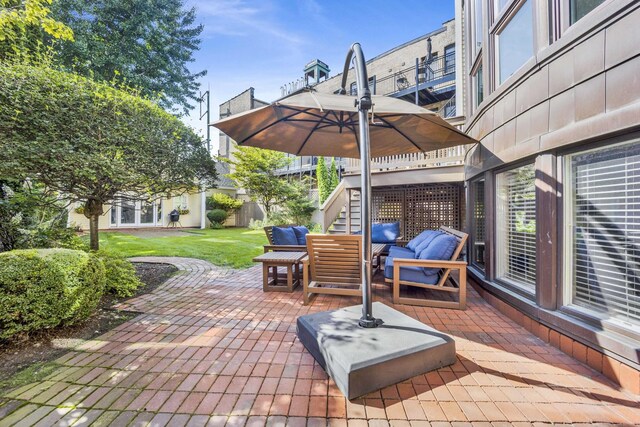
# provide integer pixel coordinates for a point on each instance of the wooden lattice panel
(387, 205)
(418, 207)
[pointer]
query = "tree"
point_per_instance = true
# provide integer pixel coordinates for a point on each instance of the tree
(299, 208)
(88, 142)
(255, 172)
(145, 44)
(25, 27)
(322, 176)
(333, 175)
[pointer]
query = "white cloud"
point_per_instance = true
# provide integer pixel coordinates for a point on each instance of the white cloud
(243, 18)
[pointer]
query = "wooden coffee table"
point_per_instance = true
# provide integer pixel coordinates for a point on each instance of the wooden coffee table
(273, 260)
(377, 249)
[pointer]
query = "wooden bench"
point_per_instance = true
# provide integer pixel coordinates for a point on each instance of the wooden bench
(280, 248)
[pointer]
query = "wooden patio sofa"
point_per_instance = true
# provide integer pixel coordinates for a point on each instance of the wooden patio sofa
(446, 282)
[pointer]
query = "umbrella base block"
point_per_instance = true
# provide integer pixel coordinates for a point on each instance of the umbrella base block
(362, 360)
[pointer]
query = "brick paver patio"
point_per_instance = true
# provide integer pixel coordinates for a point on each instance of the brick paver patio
(211, 348)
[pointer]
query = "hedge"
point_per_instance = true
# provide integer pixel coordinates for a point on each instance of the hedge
(122, 280)
(43, 288)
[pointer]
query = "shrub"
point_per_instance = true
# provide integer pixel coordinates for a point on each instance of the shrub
(217, 217)
(224, 202)
(121, 278)
(44, 288)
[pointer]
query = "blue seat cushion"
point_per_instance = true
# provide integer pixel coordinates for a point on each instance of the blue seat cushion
(283, 236)
(400, 252)
(440, 248)
(413, 243)
(427, 241)
(387, 232)
(409, 274)
(301, 234)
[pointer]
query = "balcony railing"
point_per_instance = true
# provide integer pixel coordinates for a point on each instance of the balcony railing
(440, 71)
(453, 156)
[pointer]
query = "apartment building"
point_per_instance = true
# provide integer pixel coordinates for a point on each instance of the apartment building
(553, 96)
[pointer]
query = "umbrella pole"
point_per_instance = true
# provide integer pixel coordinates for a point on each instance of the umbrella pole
(364, 104)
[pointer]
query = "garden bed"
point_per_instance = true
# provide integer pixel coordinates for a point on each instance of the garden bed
(32, 356)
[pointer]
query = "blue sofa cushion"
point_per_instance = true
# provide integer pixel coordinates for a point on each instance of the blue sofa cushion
(413, 243)
(301, 234)
(427, 241)
(400, 252)
(283, 236)
(409, 274)
(440, 248)
(387, 232)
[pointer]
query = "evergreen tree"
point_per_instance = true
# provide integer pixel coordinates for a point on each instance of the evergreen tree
(333, 175)
(145, 44)
(322, 176)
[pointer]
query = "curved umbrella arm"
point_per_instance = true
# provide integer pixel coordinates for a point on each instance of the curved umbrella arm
(364, 104)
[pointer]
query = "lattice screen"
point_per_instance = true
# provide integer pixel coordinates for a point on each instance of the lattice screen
(418, 207)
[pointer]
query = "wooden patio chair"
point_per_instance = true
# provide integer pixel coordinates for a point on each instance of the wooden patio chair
(446, 283)
(280, 248)
(333, 265)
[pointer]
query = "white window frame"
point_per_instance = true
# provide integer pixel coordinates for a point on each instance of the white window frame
(500, 251)
(158, 205)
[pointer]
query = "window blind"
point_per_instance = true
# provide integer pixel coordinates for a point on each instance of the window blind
(478, 224)
(606, 220)
(516, 226)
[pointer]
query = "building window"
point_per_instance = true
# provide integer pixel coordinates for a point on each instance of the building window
(450, 59)
(516, 227)
(500, 5)
(515, 42)
(478, 226)
(604, 227)
(579, 8)
(478, 87)
(478, 30)
(181, 202)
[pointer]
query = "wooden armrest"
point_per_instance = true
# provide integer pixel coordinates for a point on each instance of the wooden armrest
(401, 242)
(429, 263)
(285, 248)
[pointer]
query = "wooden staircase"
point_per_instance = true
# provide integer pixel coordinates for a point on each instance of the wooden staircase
(339, 226)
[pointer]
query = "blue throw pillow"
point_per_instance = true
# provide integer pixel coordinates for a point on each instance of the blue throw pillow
(387, 232)
(283, 236)
(441, 248)
(413, 243)
(427, 241)
(301, 234)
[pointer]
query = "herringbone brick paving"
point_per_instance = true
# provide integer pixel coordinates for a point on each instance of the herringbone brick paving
(210, 348)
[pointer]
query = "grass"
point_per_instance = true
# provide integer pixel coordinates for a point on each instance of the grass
(230, 247)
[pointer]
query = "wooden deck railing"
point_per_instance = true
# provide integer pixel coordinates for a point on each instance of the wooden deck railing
(446, 157)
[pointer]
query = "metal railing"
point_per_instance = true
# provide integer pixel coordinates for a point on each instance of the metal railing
(440, 71)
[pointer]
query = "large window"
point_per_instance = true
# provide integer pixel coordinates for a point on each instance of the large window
(450, 59)
(478, 87)
(477, 24)
(478, 226)
(516, 227)
(604, 231)
(579, 8)
(515, 42)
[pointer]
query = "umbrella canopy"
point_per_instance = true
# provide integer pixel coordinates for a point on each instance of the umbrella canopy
(310, 123)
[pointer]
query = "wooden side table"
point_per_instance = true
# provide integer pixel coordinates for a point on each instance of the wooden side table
(273, 260)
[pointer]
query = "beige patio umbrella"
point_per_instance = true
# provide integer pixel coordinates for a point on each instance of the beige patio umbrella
(309, 123)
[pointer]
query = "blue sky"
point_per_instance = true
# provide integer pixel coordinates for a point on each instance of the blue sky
(265, 44)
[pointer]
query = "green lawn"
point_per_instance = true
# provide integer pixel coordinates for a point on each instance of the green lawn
(232, 247)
